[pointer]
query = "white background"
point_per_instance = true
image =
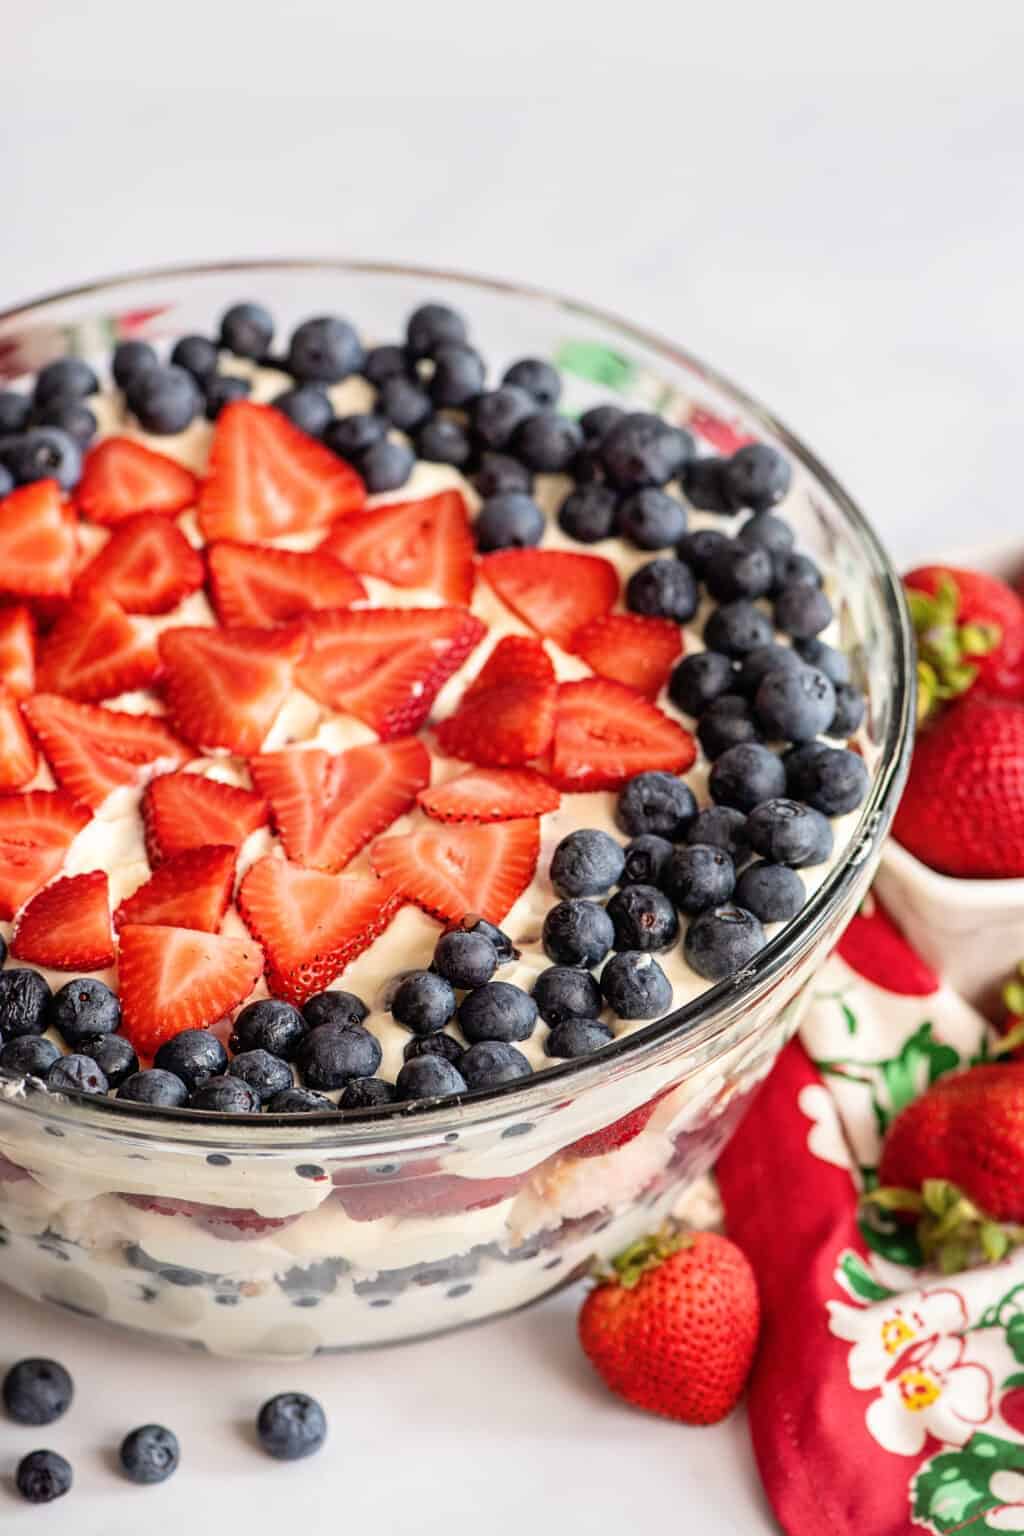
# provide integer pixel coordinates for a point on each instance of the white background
(824, 201)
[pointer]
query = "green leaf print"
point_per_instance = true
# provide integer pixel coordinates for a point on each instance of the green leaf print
(1015, 1336)
(600, 365)
(952, 1491)
(859, 1278)
(850, 1017)
(918, 1064)
(886, 1235)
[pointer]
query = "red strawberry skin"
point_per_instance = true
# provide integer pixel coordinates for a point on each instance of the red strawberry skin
(188, 810)
(121, 477)
(67, 925)
(605, 733)
(95, 651)
(616, 1135)
(172, 979)
(190, 890)
(637, 651)
(37, 827)
(425, 543)
(681, 1341)
(554, 591)
(18, 650)
(452, 870)
(418, 1190)
(254, 586)
(147, 566)
(507, 714)
(984, 599)
(18, 757)
(962, 812)
(224, 687)
(490, 794)
(37, 542)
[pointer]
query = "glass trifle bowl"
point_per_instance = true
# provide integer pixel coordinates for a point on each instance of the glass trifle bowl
(286, 1235)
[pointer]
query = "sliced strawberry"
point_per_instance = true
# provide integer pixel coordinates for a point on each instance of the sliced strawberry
(92, 750)
(37, 542)
(37, 827)
(490, 794)
(188, 810)
(724, 436)
(172, 979)
(121, 477)
(424, 543)
(95, 651)
(17, 754)
(507, 714)
(67, 926)
(18, 650)
(452, 870)
(251, 585)
(147, 565)
(416, 1189)
(266, 478)
(616, 1135)
(630, 649)
(225, 686)
(311, 924)
(190, 890)
(605, 733)
(515, 659)
(386, 665)
(233, 1224)
(327, 807)
(552, 590)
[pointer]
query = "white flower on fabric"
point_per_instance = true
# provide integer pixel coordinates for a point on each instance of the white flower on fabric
(1008, 1488)
(825, 1137)
(931, 1389)
(882, 1332)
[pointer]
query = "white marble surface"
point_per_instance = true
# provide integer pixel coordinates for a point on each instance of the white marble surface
(826, 204)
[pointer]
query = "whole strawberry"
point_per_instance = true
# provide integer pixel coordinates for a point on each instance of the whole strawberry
(970, 628)
(673, 1330)
(962, 812)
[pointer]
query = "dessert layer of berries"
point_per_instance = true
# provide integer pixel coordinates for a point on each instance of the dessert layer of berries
(374, 728)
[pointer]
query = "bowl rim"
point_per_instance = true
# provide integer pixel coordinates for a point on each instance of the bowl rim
(704, 1018)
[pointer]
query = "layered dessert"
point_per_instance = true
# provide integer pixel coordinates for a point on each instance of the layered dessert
(379, 735)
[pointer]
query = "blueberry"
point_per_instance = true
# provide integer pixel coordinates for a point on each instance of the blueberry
(789, 832)
(768, 532)
(699, 548)
(757, 476)
(458, 375)
(291, 1426)
(6, 481)
(430, 326)
(334, 1007)
(586, 467)
(722, 826)
(831, 780)
(404, 402)
(795, 704)
(441, 441)
(429, 1077)
(490, 1063)
(226, 1095)
(247, 330)
(588, 513)
(746, 775)
(28, 1056)
(794, 570)
(757, 664)
(331, 1054)
(385, 466)
(349, 436)
(15, 411)
(699, 876)
(83, 1008)
(298, 1101)
(721, 941)
(498, 473)
(547, 443)
(727, 722)
(69, 376)
(656, 802)
(740, 570)
(503, 946)
(643, 918)
(510, 520)
(663, 589)
(224, 389)
(149, 1454)
(194, 1055)
(43, 1476)
(586, 863)
(565, 992)
(270, 1025)
(577, 1037)
(198, 355)
(45, 453)
(37, 1391)
(698, 680)
(642, 449)
(577, 933)
(366, 1093)
(71, 416)
(385, 362)
(542, 382)
(646, 857)
(324, 350)
(773, 892)
(113, 1054)
(423, 1002)
(465, 959)
(164, 400)
(635, 986)
(306, 406)
(131, 358)
(265, 1073)
(76, 1074)
(599, 420)
(704, 485)
(24, 1001)
(737, 628)
(439, 1044)
(849, 713)
(650, 518)
(802, 611)
(835, 664)
(497, 1011)
(155, 1086)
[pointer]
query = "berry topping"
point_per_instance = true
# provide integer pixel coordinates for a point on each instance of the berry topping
(656, 802)
(537, 377)
(24, 1001)
(497, 413)
(146, 566)
(431, 325)
(651, 519)
(441, 441)
(423, 1002)
(188, 810)
(424, 543)
(642, 449)
(577, 932)
(303, 1101)
(788, 832)
(154, 1086)
(646, 858)
(586, 863)
(577, 1037)
(588, 513)
(386, 466)
(265, 1073)
(173, 979)
(194, 1055)
(77, 1074)
(739, 570)
(508, 520)
(490, 794)
(635, 986)
(745, 775)
(737, 628)
(30, 1056)
(164, 400)
(324, 349)
(773, 892)
(307, 407)
(95, 651)
(37, 542)
(122, 478)
(227, 1096)
(18, 759)
(605, 733)
(67, 925)
(547, 443)
(465, 959)
(192, 889)
(333, 1007)
(756, 476)
(802, 611)
(452, 870)
(507, 715)
(565, 992)
(490, 1063)
(643, 918)
(663, 589)
(269, 1025)
(722, 940)
(555, 592)
(727, 722)
(247, 330)
(629, 649)
(429, 1077)
(224, 687)
(93, 751)
(17, 651)
(262, 587)
(113, 1054)
(458, 374)
(833, 781)
(37, 827)
(497, 1011)
(721, 826)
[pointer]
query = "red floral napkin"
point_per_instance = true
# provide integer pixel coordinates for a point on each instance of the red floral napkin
(886, 1398)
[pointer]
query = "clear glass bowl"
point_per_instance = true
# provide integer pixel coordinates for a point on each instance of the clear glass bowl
(292, 1235)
